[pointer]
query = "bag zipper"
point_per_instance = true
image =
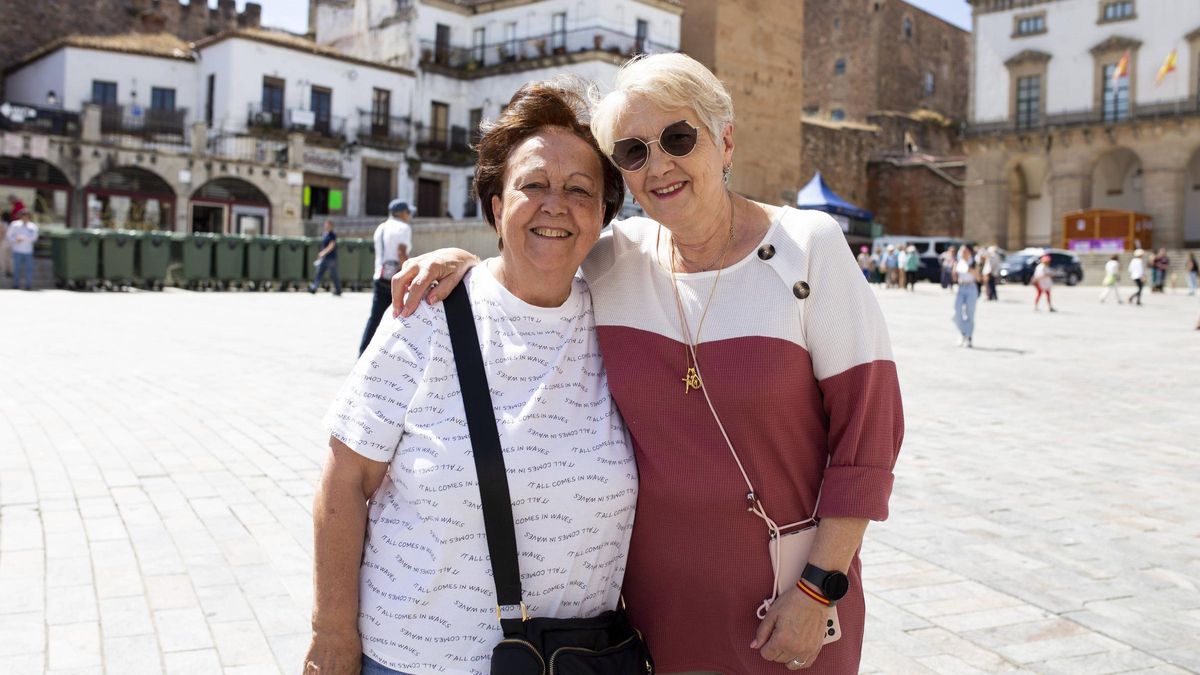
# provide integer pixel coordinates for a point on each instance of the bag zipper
(532, 649)
(557, 652)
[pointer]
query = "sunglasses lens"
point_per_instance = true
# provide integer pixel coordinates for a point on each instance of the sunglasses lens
(678, 139)
(630, 153)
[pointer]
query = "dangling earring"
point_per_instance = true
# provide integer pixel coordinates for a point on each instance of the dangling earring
(500, 243)
(726, 171)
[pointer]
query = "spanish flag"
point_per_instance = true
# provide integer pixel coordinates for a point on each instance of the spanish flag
(1122, 69)
(1168, 67)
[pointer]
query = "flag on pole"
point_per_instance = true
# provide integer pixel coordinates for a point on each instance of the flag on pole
(1122, 69)
(1168, 67)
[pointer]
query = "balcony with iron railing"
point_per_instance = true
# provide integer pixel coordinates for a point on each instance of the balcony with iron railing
(383, 131)
(319, 130)
(536, 52)
(1097, 116)
(37, 119)
(137, 120)
(225, 145)
(443, 145)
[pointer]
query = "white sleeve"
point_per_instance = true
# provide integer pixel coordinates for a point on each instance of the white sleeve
(406, 238)
(378, 248)
(368, 413)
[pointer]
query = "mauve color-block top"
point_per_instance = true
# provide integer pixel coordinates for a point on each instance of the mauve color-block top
(796, 357)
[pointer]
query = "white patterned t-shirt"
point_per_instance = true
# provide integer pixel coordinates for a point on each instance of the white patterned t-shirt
(427, 602)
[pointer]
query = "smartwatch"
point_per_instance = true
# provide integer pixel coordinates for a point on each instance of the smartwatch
(833, 585)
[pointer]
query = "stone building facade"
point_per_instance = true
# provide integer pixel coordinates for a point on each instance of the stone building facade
(871, 55)
(1068, 113)
(762, 63)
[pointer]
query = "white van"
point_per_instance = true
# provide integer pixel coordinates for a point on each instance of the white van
(929, 248)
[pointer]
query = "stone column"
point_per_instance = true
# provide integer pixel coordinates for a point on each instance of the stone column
(1163, 191)
(199, 138)
(985, 212)
(91, 123)
(1068, 192)
(295, 146)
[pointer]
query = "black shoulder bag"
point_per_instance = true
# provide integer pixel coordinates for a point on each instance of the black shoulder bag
(602, 645)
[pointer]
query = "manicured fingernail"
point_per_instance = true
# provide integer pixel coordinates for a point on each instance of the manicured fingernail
(754, 645)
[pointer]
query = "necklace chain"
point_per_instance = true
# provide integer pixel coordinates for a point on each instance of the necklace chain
(691, 379)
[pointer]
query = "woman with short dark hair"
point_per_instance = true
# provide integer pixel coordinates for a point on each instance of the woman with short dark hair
(416, 594)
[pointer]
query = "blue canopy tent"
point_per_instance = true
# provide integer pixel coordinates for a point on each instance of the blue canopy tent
(855, 222)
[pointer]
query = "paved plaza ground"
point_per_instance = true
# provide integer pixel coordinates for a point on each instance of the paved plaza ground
(159, 452)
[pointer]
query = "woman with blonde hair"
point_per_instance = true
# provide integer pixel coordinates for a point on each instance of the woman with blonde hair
(753, 368)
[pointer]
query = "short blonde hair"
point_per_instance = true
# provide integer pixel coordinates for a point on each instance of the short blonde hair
(670, 81)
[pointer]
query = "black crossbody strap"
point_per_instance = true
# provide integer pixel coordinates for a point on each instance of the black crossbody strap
(485, 441)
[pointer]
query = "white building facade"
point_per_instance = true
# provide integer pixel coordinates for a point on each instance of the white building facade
(471, 57)
(249, 131)
(1083, 104)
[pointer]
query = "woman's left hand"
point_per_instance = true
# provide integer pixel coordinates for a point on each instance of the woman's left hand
(793, 630)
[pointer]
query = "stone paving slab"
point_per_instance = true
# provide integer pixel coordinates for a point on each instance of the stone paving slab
(159, 453)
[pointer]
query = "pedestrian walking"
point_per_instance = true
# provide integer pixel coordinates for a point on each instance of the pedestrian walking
(947, 260)
(991, 272)
(393, 241)
(1112, 274)
(902, 267)
(864, 262)
(5, 247)
(892, 269)
(966, 275)
(1193, 273)
(1043, 280)
(1161, 264)
(912, 266)
(1137, 274)
(21, 235)
(327, 261)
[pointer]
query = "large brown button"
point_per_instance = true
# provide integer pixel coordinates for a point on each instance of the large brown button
(766, 252)
(801, 289)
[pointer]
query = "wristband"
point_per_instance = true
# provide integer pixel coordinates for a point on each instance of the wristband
(813, 594)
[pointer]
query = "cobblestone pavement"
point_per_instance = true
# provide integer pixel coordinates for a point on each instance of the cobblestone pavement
(159, 451)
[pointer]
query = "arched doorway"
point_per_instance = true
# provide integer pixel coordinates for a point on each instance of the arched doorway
(1117, 181)
(130, 198)
(40, 186)
(1029, 212)
(1191, 205)
(230, 205)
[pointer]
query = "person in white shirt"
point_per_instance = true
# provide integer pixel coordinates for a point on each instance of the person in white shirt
(1137, 273)
(1112, 274)
(1042, 281)
(393, 241)
(991, 271)
(402, 577)
(21, 235)
(966, 275)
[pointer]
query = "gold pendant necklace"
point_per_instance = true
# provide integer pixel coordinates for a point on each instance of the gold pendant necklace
(691, 380)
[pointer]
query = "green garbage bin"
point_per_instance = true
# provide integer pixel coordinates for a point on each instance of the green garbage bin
(349, 262)
(76, 258)
(229, 260)
(153, 257)
(366, 265)
(117, 255)
(290, 262)
(260, 260)
(196, 255)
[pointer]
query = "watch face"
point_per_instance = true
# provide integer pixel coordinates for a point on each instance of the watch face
(835, 586)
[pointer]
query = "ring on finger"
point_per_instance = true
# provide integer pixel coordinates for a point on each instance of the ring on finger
(796, 662)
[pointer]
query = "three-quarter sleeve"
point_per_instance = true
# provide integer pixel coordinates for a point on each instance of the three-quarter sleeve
(368, 413)
(852, 361)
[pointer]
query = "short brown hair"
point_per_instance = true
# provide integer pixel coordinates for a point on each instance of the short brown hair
(552, 103)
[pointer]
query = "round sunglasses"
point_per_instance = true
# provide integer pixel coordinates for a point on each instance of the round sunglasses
(677, 139)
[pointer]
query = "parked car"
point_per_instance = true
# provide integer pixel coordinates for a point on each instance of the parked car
(1064, 266)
